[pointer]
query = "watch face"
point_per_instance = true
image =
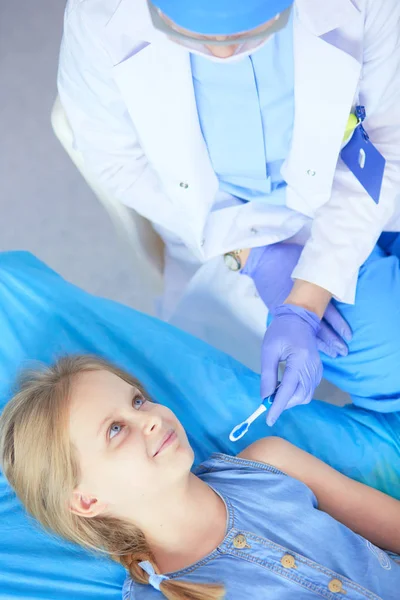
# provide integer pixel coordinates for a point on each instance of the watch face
(232, 262)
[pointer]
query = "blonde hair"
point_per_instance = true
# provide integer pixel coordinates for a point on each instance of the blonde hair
(39, 462)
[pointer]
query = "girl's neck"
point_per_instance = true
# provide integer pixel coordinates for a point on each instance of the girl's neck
(193, 525)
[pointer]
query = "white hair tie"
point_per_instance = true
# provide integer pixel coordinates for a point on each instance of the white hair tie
(155, 580)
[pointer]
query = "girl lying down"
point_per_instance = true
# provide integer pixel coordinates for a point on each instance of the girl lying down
(98, 462)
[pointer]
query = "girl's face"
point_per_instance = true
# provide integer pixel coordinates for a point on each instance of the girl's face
(131, 451)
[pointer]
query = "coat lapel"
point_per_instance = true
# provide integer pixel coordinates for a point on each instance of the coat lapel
(326, 81)
(155, 80)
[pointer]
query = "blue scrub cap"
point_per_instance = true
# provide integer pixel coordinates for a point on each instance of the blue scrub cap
(220, 17)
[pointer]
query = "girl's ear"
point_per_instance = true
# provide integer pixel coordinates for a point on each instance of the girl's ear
(86, 506)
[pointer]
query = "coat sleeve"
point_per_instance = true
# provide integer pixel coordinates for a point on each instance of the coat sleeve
(347, 227)
(102, 128)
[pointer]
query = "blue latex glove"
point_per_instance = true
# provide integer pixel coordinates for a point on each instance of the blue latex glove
(271, 268)
(291, 337)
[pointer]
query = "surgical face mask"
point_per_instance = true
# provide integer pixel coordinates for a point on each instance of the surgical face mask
(242, 50)
(246, 42)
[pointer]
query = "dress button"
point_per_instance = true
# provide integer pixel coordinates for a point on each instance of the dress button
(254, 230)
(288, 561)
(203, 241)
(311, 173)
(335, 586)
(184, 185)
(239, 541)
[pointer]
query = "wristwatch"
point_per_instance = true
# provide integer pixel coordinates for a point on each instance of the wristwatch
(233, 260)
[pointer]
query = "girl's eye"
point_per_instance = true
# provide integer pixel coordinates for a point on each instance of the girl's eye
(115, 429)
(138, 402)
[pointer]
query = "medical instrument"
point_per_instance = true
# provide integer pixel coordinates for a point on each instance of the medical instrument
(219, 18)
(240, 430)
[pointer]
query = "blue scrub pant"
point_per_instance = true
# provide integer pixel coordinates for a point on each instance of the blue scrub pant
(371, 371)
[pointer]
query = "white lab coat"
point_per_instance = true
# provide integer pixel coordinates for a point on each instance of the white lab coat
(128, 94)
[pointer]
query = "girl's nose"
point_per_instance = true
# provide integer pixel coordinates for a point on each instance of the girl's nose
(151, 423)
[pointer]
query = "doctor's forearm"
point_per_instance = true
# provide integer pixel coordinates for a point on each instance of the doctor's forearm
(309, 296)
(303, 293)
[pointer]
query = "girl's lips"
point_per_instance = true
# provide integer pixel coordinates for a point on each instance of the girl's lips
(166, 441)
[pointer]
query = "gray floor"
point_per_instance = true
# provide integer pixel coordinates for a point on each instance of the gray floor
(45, 205)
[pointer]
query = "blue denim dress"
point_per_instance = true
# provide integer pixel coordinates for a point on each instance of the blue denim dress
(278, 545)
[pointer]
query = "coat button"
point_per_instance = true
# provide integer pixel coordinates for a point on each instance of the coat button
(203, 241)
(239, 541)
(311, 173)
(335, 586)
(184, 185)
(288, 561)
(254, 230)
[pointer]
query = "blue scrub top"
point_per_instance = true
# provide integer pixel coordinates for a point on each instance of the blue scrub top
(246, 113)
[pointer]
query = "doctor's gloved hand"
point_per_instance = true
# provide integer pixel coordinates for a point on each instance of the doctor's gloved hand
(270, 267)
(291, 337)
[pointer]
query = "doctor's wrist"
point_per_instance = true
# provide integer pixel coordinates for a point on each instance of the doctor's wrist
(244, 256)
(309, 296)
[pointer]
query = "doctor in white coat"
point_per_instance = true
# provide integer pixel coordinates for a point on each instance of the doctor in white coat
(240, 127)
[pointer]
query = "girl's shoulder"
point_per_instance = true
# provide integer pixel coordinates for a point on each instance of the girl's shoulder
(250, 482)
(265, 456)
(225, 464)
